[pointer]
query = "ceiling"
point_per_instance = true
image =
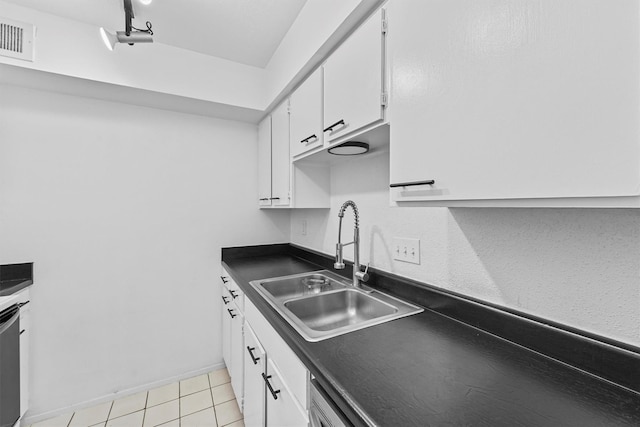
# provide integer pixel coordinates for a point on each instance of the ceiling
(244, 31)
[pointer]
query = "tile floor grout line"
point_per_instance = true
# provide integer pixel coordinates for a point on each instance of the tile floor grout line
(109, 413)
(144, 414)
(215, 412)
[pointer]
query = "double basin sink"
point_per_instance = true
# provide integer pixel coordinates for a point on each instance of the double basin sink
(321, 305)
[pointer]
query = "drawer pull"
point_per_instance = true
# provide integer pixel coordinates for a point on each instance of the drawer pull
(410, 184)
(274, 393)
(230, 310)
(275, 198)
(307, 139)
(225, 300)
(336, 124)
(224, 279)
(253, 358)
(263, 199)
(233, 294)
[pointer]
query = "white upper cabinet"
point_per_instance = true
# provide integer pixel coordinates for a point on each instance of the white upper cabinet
(264, 162)
(514, 100)
(280, 157)
(274, 162)
(354, 81)
(306, 115)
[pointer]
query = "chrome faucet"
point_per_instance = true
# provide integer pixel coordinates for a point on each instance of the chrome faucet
(358, 276)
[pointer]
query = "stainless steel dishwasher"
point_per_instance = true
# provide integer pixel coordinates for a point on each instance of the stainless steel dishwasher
(10, 366)
(323, 412)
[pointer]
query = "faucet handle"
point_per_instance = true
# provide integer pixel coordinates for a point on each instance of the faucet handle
(363, 275)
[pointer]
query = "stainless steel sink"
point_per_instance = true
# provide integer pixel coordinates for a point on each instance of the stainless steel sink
(322, 305)
(296, 286)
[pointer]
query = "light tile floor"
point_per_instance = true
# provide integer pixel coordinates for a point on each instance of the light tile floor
(203, 401)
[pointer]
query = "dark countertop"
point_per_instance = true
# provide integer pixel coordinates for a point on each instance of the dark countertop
(429, 369)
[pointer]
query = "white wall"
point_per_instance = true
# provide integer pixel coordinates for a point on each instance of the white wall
(124, 210)
(580, 267)
(72, 48)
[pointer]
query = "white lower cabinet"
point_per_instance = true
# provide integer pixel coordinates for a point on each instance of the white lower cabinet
(236, 370)
(275, 381)
(283, 410)
(226, 326)
(232, 334)
(254, 388)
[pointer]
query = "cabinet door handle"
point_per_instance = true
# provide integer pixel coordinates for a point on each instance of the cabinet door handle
(306, 140)
(409, 184)
(263, 199)
(336, 124)
(224, 279)
(275, 198)
(253, 358)
(233, 294)
(230, 310)
(225, 300)
(274, 393)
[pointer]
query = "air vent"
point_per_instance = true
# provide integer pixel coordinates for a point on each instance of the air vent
(16, 39)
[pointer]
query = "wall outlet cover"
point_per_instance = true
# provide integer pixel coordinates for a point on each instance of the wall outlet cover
(406, 250)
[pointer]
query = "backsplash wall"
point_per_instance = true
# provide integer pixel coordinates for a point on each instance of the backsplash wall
(579, 267)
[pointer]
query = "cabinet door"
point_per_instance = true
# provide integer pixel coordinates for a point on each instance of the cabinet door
(264, 162)
(254, 386)
(514, 99)
(280, 158)
(354, 81)
(226, 327)
(306, 115)
(283, 409)
(237, 355)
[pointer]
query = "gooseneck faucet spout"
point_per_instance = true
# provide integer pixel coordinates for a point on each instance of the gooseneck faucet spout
(358, 275)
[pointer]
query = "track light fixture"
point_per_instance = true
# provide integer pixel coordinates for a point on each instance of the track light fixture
(131, 34)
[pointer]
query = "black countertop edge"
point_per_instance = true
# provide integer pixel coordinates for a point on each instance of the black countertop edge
(15, 277)
(603, 357)
(257, 250)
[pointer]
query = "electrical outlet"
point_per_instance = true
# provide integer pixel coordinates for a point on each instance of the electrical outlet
(304, 227)
(407, 250)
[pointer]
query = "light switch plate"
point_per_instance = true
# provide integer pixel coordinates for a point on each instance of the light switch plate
(406, 250)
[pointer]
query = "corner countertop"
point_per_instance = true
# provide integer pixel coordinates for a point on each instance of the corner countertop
(429, 369)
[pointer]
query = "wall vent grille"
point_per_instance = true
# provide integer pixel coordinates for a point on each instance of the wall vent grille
(16, 39)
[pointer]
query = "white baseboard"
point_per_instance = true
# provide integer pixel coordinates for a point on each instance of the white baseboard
(34, 418)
